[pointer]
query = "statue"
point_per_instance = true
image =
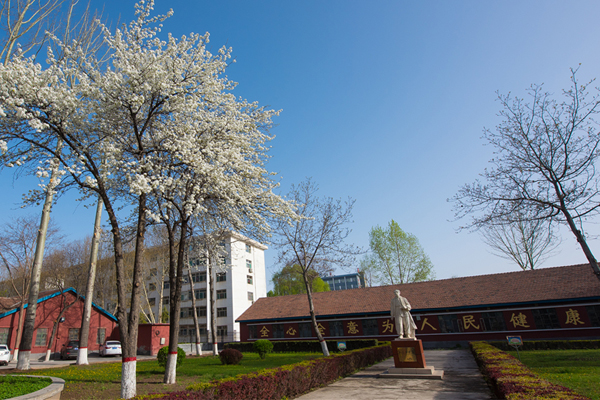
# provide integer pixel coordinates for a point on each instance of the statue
(400, 310)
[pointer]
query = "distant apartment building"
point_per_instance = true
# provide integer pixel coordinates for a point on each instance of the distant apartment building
(239, 281)
(343, 282)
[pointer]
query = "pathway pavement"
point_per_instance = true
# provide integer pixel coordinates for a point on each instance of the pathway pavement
(462, 381)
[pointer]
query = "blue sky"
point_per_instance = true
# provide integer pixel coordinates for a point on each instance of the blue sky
(382, 101)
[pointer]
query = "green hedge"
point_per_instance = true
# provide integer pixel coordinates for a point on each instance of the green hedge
(284, 382)
(512, 380)
(302, 346)
(550, 345)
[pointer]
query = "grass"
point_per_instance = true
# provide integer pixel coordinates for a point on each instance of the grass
(13, 386)
(103, 381)
(576, 369)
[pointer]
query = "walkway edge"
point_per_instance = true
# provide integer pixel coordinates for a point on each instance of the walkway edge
(51, 392)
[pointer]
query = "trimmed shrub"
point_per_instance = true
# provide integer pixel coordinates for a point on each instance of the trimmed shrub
(512, 380)
(230, 357)
(302, 346)
(262, 347)
(164, 352)
(288, 381)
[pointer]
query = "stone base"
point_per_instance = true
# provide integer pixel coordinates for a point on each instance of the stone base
(408, 353)
(412, 373)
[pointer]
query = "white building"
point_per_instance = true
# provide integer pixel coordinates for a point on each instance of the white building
(238, 283)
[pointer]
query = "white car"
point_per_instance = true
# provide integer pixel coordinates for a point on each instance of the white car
(110, 348)
(4, 354)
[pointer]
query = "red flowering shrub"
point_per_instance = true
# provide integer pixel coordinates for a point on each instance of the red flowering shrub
(230, 357)
(514, 381)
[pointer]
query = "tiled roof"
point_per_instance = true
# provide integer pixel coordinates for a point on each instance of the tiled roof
(545, 284)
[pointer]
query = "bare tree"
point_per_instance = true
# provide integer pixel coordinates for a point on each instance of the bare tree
(315, 241)
(526, 241)
(17, 252)
(544, 164)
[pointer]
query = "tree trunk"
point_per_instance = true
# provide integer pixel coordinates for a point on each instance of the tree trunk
(195, 314)
(580, 238)
(19, 332)
(36, 271)
(128, 369)
(84, 332)
(312, 315)
(213, 313)
(171, 367)
(65, 307)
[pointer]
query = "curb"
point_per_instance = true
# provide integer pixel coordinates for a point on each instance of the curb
(51, 392)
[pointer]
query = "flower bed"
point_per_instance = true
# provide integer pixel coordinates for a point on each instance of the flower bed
(512, 380)
(288, 381)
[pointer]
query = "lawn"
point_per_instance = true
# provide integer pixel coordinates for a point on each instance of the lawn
(576, 369)
(13, 386)
(103, 381)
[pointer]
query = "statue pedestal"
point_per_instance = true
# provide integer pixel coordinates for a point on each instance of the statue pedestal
(409, 361)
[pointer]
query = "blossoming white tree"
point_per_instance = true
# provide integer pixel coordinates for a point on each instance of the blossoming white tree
(153, 118)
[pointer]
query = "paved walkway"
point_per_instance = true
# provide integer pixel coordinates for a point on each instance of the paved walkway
(462, 381)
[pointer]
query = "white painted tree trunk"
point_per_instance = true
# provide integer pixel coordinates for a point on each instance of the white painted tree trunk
(171, 367)
(324, 348)
(82, 356)
(15, 354)
(48, 353)
(198, 348)
(23, 360)
(128, 383)
(215, 348)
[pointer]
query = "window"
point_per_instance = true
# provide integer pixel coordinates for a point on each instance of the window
(248, 248)
(370, 327)
(252, 332)
(336, 328)
(186, 312)
(152, 301)
(221, 277)
(166, 300)
(199, 277)
(249, 279)
(304, 329)
(200, 294)
(222, 330)
(593, 313)
(277, 330)
(101, 335)
(74, 334)
(185, 279)
(152, 287)
(186, 295)
(221, 294)
(166, 285)
(250, 296)
(545, 318)
(222, 312)
(4, 335)
(40, 336)
(249, 265)
(201, 311)
(493, 321)
(448, 323)
(198, 261)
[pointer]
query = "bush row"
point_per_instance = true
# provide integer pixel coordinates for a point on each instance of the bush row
(287, 381)
(551, 345)
(301, 346)
(512, 380)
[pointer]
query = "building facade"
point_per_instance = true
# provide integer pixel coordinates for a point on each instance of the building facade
(239, 281)
(548, 303)
(103, 325)
(343, 282)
